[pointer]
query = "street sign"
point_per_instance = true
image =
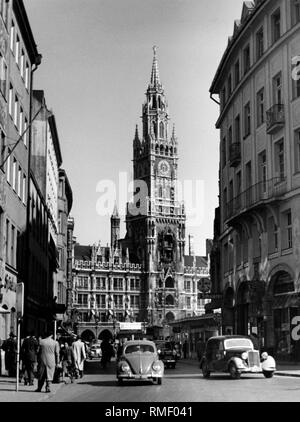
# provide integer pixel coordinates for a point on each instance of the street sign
(130, 326)
(20, 300)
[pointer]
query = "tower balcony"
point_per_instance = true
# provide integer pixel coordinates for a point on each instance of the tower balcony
(275, 118)
(235, 154)
(263, 192)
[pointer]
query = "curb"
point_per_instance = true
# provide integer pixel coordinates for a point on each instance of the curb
(286, 374)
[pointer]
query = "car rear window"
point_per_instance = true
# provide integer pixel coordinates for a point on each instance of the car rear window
(139, 348)
(237, 343)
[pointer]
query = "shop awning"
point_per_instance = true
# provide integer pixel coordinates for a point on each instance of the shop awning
(287, 301)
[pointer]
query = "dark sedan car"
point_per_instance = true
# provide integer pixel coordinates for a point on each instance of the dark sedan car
(235, 355)
(167, 353)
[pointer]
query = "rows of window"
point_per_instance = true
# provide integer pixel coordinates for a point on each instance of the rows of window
(101, 283)
(102, 301)
(16, 112)
(241, 68)
(277, 237)
(12, 236)
(19, 52)
(103, 316)
(260, 114)
(234, 196)
(15, 176)
(38, 218)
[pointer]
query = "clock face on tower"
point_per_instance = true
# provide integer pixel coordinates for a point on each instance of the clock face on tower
(164, 168)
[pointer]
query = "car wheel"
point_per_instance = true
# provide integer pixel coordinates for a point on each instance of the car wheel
(205, 371)
(268, 374)
(159, 381)
(234, 372)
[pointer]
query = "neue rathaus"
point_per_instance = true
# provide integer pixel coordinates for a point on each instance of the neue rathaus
(146, 276)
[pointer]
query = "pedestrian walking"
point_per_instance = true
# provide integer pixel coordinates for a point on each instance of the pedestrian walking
(10, 348)
(48, 359)
(79, 356)
(200, 348)
(106, 352)
(67, 361)
(29, 350)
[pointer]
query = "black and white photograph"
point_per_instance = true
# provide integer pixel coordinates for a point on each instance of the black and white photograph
(149, 204)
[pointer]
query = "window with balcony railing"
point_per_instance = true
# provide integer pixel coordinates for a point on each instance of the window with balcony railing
(275, 118)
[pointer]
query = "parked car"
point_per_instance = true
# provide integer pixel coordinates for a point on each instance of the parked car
(235, 355)
(167, 353)
(139, 361)
(95, 351)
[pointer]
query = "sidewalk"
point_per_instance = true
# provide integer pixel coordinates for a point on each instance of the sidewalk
(287, 369)
(8, 391)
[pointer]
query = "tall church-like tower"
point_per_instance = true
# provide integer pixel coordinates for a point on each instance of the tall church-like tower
(155, 223)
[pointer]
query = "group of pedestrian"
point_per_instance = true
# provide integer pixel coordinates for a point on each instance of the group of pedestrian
(44, 358)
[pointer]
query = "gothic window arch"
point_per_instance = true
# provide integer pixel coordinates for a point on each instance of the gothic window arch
(161, 130)
(167, 150)
(154, 128)
(171, 151)
(154, 102)
(169, 300)
(170, 284)
(161, 150)
(160, 192)
(156, 149)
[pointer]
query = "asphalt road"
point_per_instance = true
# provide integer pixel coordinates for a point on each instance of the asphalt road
(182, 384)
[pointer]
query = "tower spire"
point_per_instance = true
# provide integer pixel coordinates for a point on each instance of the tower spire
(155, 80)
(136, 136)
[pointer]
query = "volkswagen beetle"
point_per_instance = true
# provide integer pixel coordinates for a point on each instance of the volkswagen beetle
(139, 361)
(235, 355)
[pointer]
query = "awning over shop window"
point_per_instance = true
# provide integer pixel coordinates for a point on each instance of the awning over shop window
(286, 301)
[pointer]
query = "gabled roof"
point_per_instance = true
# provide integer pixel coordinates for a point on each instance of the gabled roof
(200, 261)
(82, 253)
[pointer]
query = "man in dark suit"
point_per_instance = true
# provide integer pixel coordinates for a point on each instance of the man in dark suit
(29, 351)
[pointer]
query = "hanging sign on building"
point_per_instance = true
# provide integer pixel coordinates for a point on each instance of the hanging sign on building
(20, 300)
(130, 326)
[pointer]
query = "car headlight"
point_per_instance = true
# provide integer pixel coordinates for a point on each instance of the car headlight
(156, 367)
(244, 355)
(125, 367)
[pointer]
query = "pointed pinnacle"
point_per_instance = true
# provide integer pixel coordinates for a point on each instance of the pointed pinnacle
(155, 81)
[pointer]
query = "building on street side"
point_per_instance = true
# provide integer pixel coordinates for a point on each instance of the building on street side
(19, 58)
(259, 125)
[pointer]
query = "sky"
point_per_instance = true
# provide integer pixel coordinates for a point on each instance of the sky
(96, 67)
